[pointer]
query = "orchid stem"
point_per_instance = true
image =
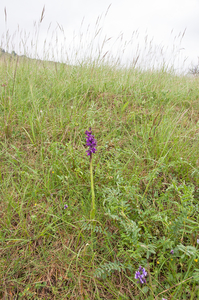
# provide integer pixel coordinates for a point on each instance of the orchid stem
(92, 213)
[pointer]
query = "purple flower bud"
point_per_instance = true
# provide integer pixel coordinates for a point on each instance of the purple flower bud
(90, 142)
(172, 252)
(65, 206)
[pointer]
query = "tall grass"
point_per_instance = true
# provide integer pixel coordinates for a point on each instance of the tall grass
(145, 177)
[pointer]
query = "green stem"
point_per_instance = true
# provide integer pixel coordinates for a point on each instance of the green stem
(92, 213)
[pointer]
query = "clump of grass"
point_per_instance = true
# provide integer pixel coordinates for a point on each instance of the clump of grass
(145, 179)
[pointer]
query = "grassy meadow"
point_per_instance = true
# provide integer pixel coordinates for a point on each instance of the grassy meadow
(145, 172)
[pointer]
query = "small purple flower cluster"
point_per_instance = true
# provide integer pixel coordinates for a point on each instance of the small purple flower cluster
(90, 142)
(141, 276)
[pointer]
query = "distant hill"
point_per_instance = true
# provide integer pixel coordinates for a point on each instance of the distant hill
(4, 55)
(12, 54)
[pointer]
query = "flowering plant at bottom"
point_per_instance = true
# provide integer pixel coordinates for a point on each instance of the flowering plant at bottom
(140, 275)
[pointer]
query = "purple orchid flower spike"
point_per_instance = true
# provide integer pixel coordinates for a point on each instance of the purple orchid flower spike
(90, 142)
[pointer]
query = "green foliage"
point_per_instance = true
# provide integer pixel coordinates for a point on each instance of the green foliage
(107, 269)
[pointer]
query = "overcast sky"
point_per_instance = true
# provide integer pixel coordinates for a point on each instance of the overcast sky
(152, 29)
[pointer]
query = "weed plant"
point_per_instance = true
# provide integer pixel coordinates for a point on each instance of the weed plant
(145, 174)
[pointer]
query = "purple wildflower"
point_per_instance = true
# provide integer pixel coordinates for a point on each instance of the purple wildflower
(141, 274)
(90, 142)
(65, 206)
(197, 241)
(172, 252)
